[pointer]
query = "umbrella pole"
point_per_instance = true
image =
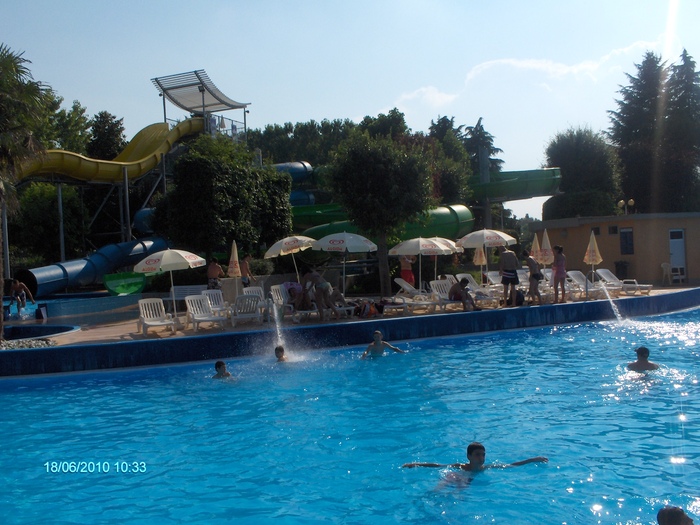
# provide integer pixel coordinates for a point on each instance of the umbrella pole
(172, 296)
(344, 257)
(295, 267)
(420, 271)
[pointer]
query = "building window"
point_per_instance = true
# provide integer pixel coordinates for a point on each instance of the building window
(612, 230)
(626, 241)
(596, 230)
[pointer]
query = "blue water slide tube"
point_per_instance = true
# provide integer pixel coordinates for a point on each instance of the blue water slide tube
(89, 270)
(300, 171)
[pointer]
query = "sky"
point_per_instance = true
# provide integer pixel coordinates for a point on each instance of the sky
(529, 69)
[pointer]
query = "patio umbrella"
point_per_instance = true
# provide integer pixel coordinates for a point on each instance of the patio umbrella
(535, 251)
(344, 243)
(422, 246)
(448, 242)
(290, 245)
(592, 255)
(486, 239)
(546, 251)
(480, 259)
(169, 261)
(234, 268)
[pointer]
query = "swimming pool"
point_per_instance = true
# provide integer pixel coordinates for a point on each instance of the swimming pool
(322, 438)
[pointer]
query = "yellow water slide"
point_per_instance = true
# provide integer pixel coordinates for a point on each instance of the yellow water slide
(140, 156)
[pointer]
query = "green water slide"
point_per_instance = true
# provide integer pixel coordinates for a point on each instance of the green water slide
(451, 222)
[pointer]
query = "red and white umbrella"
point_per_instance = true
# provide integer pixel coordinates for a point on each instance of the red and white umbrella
(546, 253)
(169, 261)
(234, 266)
(344, 243)
(425, 246)
(290, 246)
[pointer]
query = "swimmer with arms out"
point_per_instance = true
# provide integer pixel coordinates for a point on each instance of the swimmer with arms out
(221, 372)
(476, 454)
(376, 347)
(642, 364)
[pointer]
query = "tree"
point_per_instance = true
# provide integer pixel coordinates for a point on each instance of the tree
(637, 130)
(588, 177)
(219, 195)
(108, 139)
(477, 139)
(20, 112)
(682, 139)
(382, 185)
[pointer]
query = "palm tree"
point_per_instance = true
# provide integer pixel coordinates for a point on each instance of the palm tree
(20, 111)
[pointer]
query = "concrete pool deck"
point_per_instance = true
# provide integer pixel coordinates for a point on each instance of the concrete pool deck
(101, 344)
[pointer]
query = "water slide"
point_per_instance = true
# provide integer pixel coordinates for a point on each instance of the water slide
(451, 222)
(141, 155)
(89, 270)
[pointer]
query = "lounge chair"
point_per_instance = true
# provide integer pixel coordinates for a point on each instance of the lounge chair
(255, 290)
(484, 295)
(628, 286)
(280, 296)
(590, 290)
(571, 289)
(199, 311)
(441, 291)
(216, 300)
(152, 313)
(246, 307)
(408, 289)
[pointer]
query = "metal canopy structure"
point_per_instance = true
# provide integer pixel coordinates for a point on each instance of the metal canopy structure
(195, 92)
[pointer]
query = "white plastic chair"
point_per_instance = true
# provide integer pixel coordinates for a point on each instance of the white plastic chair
(246, 307)
(216, 299)
(592, 290)
(628, 286)
(280, 297)
(441, 293)
(407, 288)
(152, 313)
(199, 311)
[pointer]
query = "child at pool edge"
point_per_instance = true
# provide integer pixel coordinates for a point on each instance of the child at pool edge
(279, 354)
(221, 372)
(642, 364)
(476, 454)
(376, 347)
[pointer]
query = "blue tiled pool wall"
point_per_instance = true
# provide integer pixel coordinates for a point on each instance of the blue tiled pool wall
(150, 352)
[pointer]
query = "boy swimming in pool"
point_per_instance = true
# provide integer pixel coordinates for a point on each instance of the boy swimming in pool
(476, 454)
(376, 347)
(642, 364)
(279, 354)
(221, 372)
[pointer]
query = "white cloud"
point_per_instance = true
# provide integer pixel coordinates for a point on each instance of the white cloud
(429, 95)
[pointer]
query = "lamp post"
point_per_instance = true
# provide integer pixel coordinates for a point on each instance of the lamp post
(625, 204)
(245, 125)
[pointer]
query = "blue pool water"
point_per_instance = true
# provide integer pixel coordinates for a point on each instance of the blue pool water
(322, 438)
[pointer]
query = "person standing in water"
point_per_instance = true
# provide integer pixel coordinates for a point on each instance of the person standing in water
(376, 347)
(642, 364)
(279, 354)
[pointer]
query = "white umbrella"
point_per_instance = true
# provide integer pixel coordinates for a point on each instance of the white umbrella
(593, 255)
(289, 246)
(486, 239)
(421, 246)
(546, 252)
(344, 243)
(234, 267)
(535, 251)
(169, 261)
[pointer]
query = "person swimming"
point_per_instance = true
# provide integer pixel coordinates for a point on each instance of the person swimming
(376, 347)
(279, 353)
(221, 372)
(476, 454)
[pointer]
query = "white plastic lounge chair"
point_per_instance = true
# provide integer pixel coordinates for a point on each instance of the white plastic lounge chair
(199, 311)
(592, 290)
(628, 286)
(280, 297)
(216, 300)
(255, 290)
(484, 296)
(152, 313)
(246, 307)
(408, 289)
(441, 290)
(571, 289)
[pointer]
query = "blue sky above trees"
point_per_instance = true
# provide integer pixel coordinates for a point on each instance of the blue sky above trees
(530, 69)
